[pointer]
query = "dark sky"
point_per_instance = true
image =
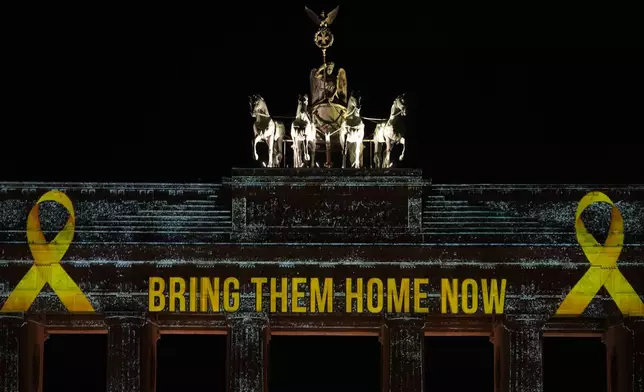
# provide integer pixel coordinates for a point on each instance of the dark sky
(161, 95)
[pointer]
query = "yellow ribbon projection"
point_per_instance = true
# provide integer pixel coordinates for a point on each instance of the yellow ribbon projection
(603, 265)
(47, 268)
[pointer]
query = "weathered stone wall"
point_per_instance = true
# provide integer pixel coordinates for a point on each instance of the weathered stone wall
(536, 283)
(533, 214)
(122, 213)
(322, 205)
(321, 223)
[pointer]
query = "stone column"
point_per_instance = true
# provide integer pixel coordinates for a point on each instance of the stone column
(32, 353)
(403, 354)
(501, 340)
(10, 327)
(636, 326)
(518, 354)
(124, 353)
(151, 336)
(248, 335)
(619, 358)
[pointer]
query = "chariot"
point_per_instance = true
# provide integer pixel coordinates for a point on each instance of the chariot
(329, 103)
(333, 117)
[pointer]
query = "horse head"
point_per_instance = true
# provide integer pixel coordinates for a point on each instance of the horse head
(302, 106)
(252, 101)
(303, 101)
(401, 104)
(355, 101)
(257, 105)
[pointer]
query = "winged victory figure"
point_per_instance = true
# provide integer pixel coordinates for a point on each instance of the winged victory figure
(322, 20)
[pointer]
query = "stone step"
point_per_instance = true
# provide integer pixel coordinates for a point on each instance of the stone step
(140, 222)
(192, 207)
(448, 204)
(455, 207)
(179, 217)
(171, 212)
(498, 239)
(482, 223)
(150, 229)
(499, 230)
(140, 237)
(465, 212)
(480, 218)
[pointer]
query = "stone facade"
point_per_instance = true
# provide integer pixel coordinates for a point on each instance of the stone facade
(319, 223)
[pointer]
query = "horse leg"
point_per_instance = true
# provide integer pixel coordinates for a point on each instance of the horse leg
(301, 152)
(327, 139)
(376, 153)
(296, 153)
(300, 161)
(387, 161)
(305, 146)
(257, 139)
(343, 145)
(402, 154)
(357, 161)
(271, 149)
(279, 151)
(361, 140)
(312, 145)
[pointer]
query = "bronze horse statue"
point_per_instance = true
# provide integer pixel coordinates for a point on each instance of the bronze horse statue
(390, 132)
(267, 130)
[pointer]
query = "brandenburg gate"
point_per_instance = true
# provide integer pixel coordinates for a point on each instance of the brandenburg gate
(321, 251)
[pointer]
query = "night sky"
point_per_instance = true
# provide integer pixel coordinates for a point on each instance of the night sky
(162, 95)
(512, 93)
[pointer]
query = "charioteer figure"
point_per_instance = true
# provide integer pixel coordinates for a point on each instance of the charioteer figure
(328, 85)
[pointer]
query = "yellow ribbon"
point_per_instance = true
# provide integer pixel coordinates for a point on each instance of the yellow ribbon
(46, 267)
(603, 271)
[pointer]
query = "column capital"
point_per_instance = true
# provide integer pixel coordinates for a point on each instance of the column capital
(635, 324)
(616, 330)
(499, 331)
(404, 319)
(519, 321)
(256, 318)
(12, 319)
(125, 318)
